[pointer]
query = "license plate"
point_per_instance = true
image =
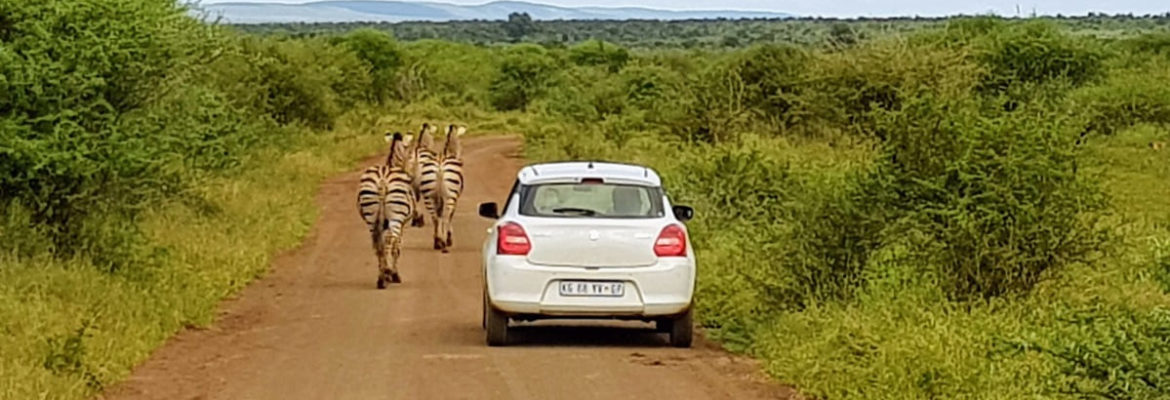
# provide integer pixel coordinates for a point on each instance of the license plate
(593, 288)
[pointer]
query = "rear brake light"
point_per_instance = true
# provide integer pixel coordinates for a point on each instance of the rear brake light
(512, 240)
(672, 242)
(592, 181)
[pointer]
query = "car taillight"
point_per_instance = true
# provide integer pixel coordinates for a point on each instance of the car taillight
(672, 242)
(512, 240)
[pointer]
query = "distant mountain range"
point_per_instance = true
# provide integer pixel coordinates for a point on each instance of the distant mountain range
(395, 11)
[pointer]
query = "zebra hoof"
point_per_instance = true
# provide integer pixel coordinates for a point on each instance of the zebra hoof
(418, 223)
(445, 250)
(449, 241)
(394, 278)
(381, 283)
(438, 244)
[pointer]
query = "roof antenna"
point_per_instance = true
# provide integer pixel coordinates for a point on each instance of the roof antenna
(590, 166)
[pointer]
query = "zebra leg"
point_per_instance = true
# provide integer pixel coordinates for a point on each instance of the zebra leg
(420, 219)
(438, 242)
(449, 216)
(380, 251)
(395, 244)
(438, 220)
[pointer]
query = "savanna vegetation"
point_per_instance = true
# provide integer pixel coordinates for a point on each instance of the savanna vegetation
(974, 209)
(710, 34)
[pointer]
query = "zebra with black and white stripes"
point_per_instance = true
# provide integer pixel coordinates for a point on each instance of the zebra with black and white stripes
(426, 174)
(450, 186)
(386, 201)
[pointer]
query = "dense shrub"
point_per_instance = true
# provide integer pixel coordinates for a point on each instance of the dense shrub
(774, 75)
(1038, 53)
(379, 50)
(456, 74)
(597, 52)
(833, 232)
(1127, 98)
(1161, 263)
(1000, 197)
(71, 69)
(1110, 353)
(110, 108)
(1152, 43)
(525, 72)
(844, 88)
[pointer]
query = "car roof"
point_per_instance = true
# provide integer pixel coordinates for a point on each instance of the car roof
(562, 171)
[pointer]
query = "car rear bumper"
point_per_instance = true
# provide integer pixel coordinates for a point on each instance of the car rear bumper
(517, 287)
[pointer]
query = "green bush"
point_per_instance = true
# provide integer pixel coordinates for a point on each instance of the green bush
(599, 53)
(1111, 353)
(456, 74)
(524, 75)
(1038, 53)
(845, 87)
(834, 230)
(1161, 263)
(72, 68)
(109, 108)
(379, 50)
(306, 82)
(1157, 43)
(650, 87)
(774, 75)
(998, 196)
(1127, 98)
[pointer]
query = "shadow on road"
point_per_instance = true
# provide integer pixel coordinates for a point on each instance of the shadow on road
(552, 334)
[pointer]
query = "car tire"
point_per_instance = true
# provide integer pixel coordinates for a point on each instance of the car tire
(663, 325)
(682, 330)
(495, 325)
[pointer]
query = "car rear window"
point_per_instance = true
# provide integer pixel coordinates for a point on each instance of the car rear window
(591, 200)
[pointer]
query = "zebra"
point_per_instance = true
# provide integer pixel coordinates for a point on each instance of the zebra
(385, 202)
(399, 146)
(450, 186)
(425, 173)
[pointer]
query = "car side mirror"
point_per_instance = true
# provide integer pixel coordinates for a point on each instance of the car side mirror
(489, 210)
(683, 213)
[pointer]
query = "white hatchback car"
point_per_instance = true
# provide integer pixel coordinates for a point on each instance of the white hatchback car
(588, 240)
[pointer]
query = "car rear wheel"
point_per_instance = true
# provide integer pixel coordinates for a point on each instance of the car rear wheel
(496, 325)
(682, 329)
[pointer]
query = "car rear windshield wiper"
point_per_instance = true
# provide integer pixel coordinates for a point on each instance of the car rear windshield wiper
(587, 212)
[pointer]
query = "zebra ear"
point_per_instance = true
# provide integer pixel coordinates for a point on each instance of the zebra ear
(460, 131)
(406, 139)
(389, 137)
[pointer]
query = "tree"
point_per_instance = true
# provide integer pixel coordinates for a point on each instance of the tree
(379, 49)
(524, 75)
(519, 25)
(597, 52)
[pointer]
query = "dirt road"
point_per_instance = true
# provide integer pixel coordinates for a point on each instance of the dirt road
(316, 328)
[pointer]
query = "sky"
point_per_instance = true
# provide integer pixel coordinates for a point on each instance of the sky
(859, 8)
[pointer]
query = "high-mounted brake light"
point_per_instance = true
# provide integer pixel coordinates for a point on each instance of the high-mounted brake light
(592, 181)
(672, 242)
(512, 240)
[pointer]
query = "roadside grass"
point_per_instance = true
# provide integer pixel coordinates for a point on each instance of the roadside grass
(69, 329)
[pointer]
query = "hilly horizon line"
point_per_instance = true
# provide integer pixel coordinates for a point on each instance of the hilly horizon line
(497, 2)
(400, 11)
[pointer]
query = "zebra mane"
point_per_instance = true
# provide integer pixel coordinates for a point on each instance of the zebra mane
(452, 147)
(424, 141)
(394, 141)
